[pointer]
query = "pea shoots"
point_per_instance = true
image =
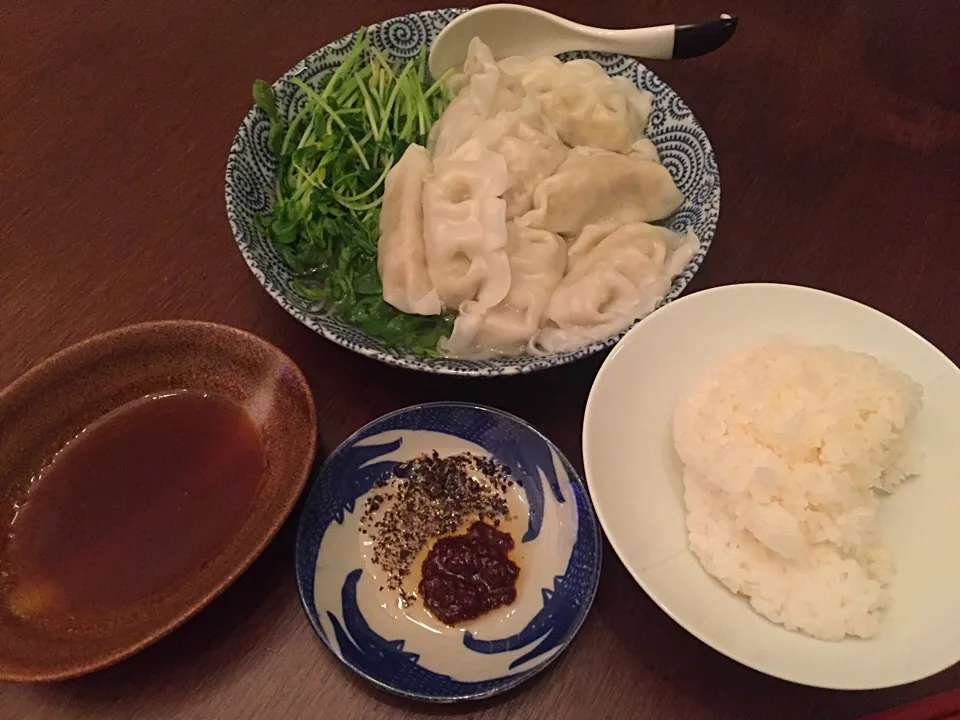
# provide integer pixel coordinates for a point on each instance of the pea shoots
(333, 157)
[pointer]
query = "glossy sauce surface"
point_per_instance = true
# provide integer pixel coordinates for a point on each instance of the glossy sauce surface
(142, 497)
(466, 576)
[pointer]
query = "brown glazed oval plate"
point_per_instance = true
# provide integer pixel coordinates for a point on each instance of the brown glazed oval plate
(56, 400)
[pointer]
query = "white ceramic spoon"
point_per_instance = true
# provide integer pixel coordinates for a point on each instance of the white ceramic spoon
(520, 30)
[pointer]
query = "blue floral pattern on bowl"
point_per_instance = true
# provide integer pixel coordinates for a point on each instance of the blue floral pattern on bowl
(682, 143)
(343, 604)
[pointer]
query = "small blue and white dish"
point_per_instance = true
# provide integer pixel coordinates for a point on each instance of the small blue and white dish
(681, 142)
(407, 651)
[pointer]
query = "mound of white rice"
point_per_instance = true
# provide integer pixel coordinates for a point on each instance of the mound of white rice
(784, 447)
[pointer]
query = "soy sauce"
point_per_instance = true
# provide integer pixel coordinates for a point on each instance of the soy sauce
(135, 503)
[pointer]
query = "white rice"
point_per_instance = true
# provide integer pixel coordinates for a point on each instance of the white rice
(785, 447)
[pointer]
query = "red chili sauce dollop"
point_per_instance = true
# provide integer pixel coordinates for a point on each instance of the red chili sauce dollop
(466, 576)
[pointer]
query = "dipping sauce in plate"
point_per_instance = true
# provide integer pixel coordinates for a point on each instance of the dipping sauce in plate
(465, 576)
(439, 528)
(134, 503)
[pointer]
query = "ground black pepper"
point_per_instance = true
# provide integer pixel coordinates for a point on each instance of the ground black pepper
(430, 496)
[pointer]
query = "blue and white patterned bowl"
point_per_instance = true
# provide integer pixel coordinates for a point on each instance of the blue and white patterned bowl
(683, 146)
(558, 550)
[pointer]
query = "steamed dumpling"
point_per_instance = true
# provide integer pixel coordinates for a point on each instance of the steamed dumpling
(537, 262)
(596, 186)
(401, 257)
(532, 156)
(585, 105)
(492, 106)
(616, 274)
(644, 149)
(465, 230)
(530, 146)
(537, 75)
(482, 91)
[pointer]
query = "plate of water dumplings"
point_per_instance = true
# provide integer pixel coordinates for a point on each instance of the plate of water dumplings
(510, 216)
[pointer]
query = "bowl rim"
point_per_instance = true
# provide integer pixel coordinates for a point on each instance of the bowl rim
(159, 632)
(611, 533)
(461, 367)
(301, 548)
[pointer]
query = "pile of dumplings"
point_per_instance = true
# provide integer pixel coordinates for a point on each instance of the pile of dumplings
(528, 213)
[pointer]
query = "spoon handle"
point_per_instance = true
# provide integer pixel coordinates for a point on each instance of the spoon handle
(700, 38)
(665, 42)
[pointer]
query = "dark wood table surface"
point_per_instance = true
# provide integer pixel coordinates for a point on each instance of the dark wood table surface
(837, 128)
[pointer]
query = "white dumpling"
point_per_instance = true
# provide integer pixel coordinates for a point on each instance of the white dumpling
(531, 156)
(596, 110)
(537, 262)
(615, 275)
(531, 148)
(401, 257)
(644, 149)
(482, 90)
(585, 105)
(465, 229)
(596, 186)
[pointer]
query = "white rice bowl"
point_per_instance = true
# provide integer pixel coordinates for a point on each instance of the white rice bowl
(636, 481)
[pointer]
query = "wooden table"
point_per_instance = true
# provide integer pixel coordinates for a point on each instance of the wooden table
(837, 128)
